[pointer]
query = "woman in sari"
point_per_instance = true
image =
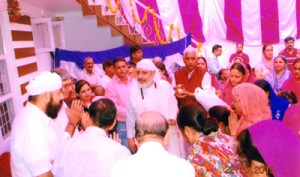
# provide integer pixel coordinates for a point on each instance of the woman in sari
(266, 64)
(214, 81)
(293, 83)
(237, 75)
(212, 152)
(279, 74)
(278, 105)
(250, 105)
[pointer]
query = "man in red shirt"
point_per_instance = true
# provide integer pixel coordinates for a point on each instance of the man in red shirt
(239, 53)
(289, 52)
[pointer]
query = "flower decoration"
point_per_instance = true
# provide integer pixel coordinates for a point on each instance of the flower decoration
(114, 11)
(13, 10)
(144, 17)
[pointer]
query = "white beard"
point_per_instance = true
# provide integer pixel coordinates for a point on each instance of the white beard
(145, 85)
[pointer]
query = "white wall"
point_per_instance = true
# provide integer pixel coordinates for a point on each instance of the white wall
(82, 33)
(2, 5)
(33, 11)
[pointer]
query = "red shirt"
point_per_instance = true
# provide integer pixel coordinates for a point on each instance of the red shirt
(244, 56)
(288, 55)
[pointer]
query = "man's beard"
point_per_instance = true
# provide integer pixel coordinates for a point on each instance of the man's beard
(52, 109)
(145, 84)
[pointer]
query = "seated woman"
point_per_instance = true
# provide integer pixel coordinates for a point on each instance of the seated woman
(279, 74)
(250, 105)
(278, 105)
(221, 113)
(266, 64)
(237, 75)
(293, 83)
(250, 73)
(214, 81)
(269, 148)
(212, 153)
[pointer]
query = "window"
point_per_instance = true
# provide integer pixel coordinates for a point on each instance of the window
(4, 85)
(6, 115)
(58, 34)
(42, 35)
(9, 94)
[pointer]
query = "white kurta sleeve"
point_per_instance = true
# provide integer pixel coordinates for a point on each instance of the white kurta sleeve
(173, 104)
(130, 119)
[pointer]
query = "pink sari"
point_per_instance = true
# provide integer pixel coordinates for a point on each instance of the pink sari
(253, 102)
(227, 90)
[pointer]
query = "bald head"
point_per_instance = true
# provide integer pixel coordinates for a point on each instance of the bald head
(151, 124)
(89, 64)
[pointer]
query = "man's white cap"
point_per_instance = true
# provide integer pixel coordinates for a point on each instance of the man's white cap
(149, 65)
(44, 82)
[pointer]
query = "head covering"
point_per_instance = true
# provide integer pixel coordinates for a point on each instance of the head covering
(278, 105)
(253, 102)
(279, 147)
(227, 90)
(272, 78)
(291, 118)
(44, 82)
(149, 65)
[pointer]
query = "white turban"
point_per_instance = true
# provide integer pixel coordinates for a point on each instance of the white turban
(149, 65)
(44, 82)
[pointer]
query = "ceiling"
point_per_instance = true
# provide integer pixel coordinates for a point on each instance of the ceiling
(56, 5)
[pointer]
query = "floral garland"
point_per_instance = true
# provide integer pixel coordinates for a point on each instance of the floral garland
(13, 10)
(157, 30)
(178, 32)
(144, 17)
(114, 11)
(199, 46)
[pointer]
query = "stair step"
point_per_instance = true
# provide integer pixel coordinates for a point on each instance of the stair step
(123, 28)
(85, 8)
(110, 20)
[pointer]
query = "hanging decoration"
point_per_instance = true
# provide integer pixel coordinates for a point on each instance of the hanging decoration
(178, 32)
(199, 46)
(113, 11)
(158, 32)
(144, 17)
(13, 10)
(130, 3)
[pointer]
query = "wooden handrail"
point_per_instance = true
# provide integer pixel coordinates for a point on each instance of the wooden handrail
(93, 11)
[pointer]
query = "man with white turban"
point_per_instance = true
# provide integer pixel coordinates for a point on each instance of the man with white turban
(150, 93)
(33, 139)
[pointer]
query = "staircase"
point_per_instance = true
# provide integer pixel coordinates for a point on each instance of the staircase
(110, 20)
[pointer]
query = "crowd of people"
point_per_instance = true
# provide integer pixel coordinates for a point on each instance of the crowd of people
(138, 119)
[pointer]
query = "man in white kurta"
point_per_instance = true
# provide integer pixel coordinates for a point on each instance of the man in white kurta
(150, 93)
(151, 159)
(92, 76)
(33, 140)
(92, 153)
